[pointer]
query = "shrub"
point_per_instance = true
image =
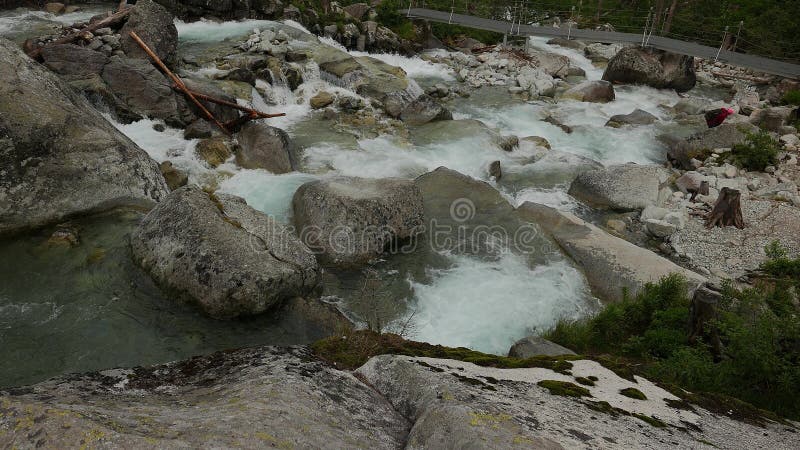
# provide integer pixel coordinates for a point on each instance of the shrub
(758, 151)
(791, 98)
(759, 328)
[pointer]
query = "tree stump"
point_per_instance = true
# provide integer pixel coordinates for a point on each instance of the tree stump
(727, 210)
(702, 316)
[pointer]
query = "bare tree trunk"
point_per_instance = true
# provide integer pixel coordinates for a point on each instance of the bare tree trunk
(599, 10)
(670, 15)
(727, 210)
(659, 13)
(702, 314)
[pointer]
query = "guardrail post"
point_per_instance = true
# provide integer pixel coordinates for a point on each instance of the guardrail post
(724, 35)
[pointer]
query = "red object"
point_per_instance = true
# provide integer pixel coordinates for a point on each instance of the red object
(714, 118)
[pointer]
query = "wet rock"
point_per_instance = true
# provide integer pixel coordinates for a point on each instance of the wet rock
(538, 140)
(621, 187)
(771, 119)
(141, 89)
(591, 91)
(175, 178)
(264, 147)
(700, 144)
(156, 27)
(243, 75)
(423, 110)
(554, 121)
(611, 264)
(54, 8)
(207, 87)
(214, 151)
(507, 143)
(552, 64)
(322, 99)
(531, 346)
(495, 171)
(222, 254)
(637, 117)
(656, 68)
(73, 61)
(351, 221)
(200, 129)
(350, 103)
(60, 157)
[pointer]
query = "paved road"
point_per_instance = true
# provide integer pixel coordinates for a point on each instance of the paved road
(758, 63)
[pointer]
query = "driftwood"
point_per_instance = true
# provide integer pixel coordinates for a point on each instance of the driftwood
(727, 211)
(252, 114)
(109, 21)
(178, 82)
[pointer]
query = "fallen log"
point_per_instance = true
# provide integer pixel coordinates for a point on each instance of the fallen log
(178, 82)
(727, 210)
(109, 21)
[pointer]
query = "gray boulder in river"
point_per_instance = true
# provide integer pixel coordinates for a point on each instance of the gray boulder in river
(595, 91)
(655, 68)
(227, 257)
(156, 26)
(58, 156)
(531, 346)
(682, 151)
(351, 221)
(621, 187)
(264, 147)
(611, 264)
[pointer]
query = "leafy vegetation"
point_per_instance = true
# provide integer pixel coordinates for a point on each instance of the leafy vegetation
(791, 98)
(633, 393)
(758, 151)
(759, 328)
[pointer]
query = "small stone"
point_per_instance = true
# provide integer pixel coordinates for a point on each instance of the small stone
(214, 151)
(495, 171)
(65, 234)
(616, 225)
(174, 177)
(321, 100)
(769, 169)
(159, 127)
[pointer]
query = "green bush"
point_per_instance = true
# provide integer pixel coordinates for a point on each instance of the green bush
(758, 151)
(759, 329)
(791, 98)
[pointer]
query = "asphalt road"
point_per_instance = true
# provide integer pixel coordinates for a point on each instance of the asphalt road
(754, 62)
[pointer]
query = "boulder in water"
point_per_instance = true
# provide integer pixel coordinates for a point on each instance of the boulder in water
(351, 221)
(637, 117)
(322, 99)
(601, 52)
(595, 91)
(264, 147)
(655, 68)
(174, 177)
(222, 254)
(59, 156)
(156, 27)
(73, 62)
(423, 110)
(622, 187)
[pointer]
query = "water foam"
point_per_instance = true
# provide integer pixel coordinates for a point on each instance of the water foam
(205, 30)
(488, 305)
(415, 67)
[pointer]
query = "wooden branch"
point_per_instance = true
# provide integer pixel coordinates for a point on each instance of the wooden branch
(727, 210)
(107, 22)
(249, 111)
(178, 82)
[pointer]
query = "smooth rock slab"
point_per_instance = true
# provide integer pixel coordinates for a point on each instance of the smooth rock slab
(227, 257)
(530, 346)
(595, 91)
(264, 397)
(610, 264)
(350, 221)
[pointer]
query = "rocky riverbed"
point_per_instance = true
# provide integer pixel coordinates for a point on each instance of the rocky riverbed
(457, 197)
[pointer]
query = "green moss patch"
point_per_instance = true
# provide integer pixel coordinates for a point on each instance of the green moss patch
(633, 393)
(651, 420)
(350, 351)
(564, 388)
(584, 381)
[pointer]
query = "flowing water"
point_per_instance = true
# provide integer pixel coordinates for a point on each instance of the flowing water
(89, 307)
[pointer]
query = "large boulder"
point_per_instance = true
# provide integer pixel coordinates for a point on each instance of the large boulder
(58, 156)
(156, 27)
(72, 61)
(622, 187)
(611, 264)
(536, 81)
(552, 64)
(264, 147)
(596, 91)
(637, 117)
(423, 110)
(217, 251)
(350, 221)
(262, 397)
(140, 89)
(656, 68)
(531, 346)
(700, 145)
(601, 52)
(771, 119)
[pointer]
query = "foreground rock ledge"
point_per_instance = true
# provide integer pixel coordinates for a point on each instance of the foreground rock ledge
(268, 397)
(58, 156)
(216, 250)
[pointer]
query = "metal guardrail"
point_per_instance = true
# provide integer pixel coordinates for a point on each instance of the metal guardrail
(754, 62)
